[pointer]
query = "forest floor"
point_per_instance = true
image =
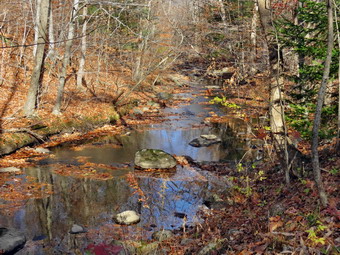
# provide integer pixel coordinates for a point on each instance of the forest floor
(261, 215)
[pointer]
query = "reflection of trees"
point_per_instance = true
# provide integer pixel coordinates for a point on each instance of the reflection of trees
(165, 197)
(81, 201)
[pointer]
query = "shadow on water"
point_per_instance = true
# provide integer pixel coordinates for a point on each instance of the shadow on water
(166, 201)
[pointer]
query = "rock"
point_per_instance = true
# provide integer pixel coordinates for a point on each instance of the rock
(42, 150)
(209, 137)
(153, 104)
(212, 87)
(127, 218)
(215, 202)
(11, 240)
(186, 241)
(76, 229)
(151, 158)
(138, 111)
(225, 73)
(277, 209)
(205, 141)
(149, 249)
(140, 248)
(162, 235)
(164, 96)
(179, 80)
(9, 170)
(212, 246)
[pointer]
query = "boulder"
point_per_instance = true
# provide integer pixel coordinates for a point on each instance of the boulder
(205, 141)
(127, 218)
(156, 159)
(11, 240)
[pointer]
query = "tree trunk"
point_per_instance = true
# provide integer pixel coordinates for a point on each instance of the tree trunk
(223, 15)
(31, 100)
(337, 146)
(276, 104)
(253, 40)
(320, 101)
(80, 74)
(66, 60)
(51, 50)
(36, 26)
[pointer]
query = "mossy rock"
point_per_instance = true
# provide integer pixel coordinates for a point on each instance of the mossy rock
(154, 159)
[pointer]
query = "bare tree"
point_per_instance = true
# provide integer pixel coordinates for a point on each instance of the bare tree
(31, 100)
(66, 60)
(320, 101)
(80, 74)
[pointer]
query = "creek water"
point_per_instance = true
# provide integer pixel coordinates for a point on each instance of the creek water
(92, 203)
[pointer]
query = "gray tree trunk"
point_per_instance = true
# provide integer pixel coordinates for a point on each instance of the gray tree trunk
(32, 96)
(36, 26)
(80, 74)
(66, 60)
(51, 48)
(320, 101)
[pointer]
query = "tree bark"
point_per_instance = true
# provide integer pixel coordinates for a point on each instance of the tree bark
(66, 60)
(36, 26)
(80, 74)
(51, 50)
(253, 40)
(320, 101)
(32, 96)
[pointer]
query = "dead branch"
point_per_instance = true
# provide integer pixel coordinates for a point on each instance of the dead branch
(38, 137)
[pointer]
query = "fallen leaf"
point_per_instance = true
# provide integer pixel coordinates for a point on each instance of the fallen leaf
(275, 223)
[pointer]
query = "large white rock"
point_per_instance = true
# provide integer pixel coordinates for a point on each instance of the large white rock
(127, 218)
(9, 169)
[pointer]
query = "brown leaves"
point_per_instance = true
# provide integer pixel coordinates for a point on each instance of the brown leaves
(275, 223)
(81, 172)
(18, 189)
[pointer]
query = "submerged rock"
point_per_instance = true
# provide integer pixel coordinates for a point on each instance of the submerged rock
(205, 141)
(127, 218)
(151, 158)
(11, 240)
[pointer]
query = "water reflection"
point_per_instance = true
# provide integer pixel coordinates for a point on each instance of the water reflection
(92, 203)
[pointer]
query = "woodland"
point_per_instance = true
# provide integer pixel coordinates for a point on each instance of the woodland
(73, 70)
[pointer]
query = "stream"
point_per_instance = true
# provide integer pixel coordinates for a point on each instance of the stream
(165, 197)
